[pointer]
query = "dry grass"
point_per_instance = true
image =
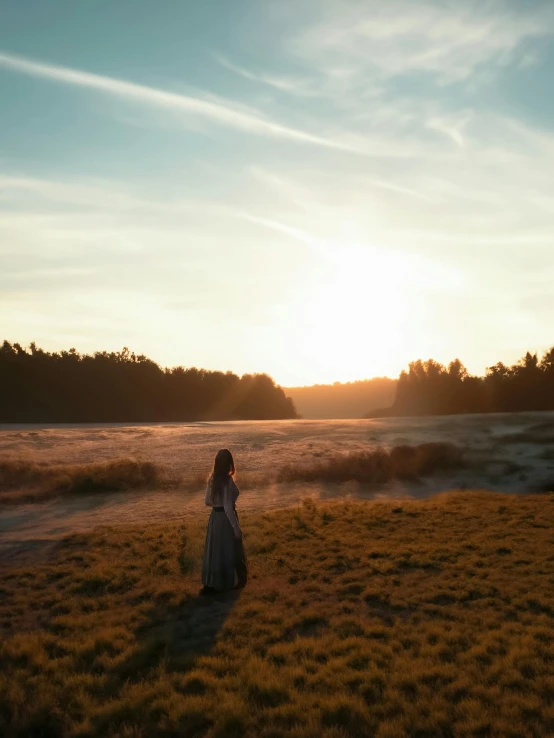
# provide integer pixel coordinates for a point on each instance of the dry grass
(21, 479)
(377, 466)
(432, 618)
(26, 480)
(261, 449)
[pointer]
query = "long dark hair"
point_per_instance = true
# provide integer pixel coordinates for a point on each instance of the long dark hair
(224, 468)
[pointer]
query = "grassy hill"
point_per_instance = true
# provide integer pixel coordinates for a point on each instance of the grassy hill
(420, 618)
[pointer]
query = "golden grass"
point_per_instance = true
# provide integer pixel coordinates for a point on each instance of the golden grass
(377, 466)
(22, 479)
(26, 480)
(429, 618)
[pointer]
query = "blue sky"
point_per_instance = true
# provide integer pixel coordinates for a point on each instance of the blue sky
(320, 190)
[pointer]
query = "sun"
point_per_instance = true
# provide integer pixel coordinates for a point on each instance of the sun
(357, 322)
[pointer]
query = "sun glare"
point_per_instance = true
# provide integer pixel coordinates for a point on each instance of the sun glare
(358, 321)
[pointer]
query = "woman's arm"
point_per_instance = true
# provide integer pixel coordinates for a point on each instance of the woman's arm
(209, 499)
(229, 507)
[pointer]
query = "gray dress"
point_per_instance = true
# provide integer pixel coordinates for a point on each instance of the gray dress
(219, 563)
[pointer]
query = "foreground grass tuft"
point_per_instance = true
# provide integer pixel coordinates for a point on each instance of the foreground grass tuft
(435, 618)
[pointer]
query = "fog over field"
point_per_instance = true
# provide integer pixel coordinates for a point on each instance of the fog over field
(509, 453)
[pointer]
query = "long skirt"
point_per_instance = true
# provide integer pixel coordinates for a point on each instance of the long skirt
(223, 555)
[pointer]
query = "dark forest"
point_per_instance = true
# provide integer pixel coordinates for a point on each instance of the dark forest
(429, 388)
(67, 387)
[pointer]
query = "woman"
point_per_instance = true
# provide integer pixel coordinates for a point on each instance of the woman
(224, 551)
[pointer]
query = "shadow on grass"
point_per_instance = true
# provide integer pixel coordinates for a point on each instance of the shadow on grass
(175, 637)
(167, 648)
(22, 553)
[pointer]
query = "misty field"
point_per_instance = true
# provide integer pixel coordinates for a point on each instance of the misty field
(56, 480)
(374, 606)
(497, 444)
(426, 618)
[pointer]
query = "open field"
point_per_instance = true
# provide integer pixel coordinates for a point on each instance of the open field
(497, 446)
(426, 618)
(386, 616)
(154, 474)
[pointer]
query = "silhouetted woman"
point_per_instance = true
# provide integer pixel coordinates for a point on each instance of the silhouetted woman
(224, 551)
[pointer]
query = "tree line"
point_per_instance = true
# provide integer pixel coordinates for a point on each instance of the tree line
(430, 388)
(68, 387)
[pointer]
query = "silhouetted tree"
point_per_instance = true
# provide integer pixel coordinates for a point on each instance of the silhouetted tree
(68, 387)
(429, 388)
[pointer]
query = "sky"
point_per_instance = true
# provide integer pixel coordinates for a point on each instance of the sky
(322, 190)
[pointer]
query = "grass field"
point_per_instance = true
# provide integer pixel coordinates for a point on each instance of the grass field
(425, 618)
(510, 452)
(23, 480)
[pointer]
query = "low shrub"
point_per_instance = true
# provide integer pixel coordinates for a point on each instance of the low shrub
(109, 476)
(379, 465)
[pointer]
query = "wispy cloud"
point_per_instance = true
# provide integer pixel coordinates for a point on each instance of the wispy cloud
(301, 87)
(357, 260)
(152, 96)
(350, 57)
(44, 195)
(401, 190)
(299, 235)
(452, 128)
(479, 202)
(448, 40)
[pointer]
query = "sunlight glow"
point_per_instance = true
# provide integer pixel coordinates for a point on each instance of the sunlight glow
(376, 190)
(359, 321)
